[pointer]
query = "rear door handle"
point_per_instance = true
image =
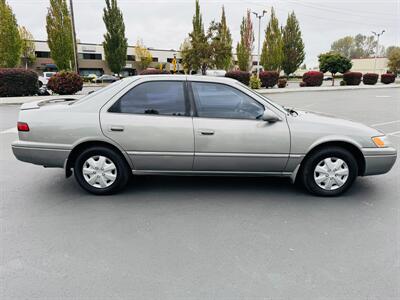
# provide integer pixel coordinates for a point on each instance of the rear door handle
(117, 128)
(207, 132)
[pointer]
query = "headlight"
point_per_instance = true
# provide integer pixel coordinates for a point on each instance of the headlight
(381, 141)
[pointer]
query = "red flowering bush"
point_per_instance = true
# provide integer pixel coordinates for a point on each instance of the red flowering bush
(282, 83)
(352, 78)
(313, 78)
(370, 78)
(269, 78)
(242, 76)
(388, 78)
(65, 83)
(153, 72)
(302, 84)
(16, 82)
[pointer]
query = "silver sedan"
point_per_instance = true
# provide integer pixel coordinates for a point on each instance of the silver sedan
(192, 125)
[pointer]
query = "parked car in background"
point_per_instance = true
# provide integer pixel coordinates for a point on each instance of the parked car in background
(216, 73)
(195, 125)
(106, 79)
(43, 80)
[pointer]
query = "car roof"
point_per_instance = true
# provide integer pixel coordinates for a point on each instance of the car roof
(181, 77)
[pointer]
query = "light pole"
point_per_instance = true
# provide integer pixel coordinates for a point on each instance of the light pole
(259, 17)
(378, 35)
(74, 37)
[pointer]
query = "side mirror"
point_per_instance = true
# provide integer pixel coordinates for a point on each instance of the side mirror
(270, 116)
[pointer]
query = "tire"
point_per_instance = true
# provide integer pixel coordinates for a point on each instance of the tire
(324, 171)
(106, 172)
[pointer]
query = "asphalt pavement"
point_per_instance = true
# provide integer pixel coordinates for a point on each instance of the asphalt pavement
(204, 237)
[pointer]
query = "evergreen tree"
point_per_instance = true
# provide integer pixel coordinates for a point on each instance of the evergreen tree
(115, 43)
(221, 43)
(199, 54)
(245, 46)
(59, 34)
(27, 47)
(272, 50)
(293, 46)
(10, 41)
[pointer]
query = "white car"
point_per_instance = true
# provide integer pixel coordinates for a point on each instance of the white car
(43, 80)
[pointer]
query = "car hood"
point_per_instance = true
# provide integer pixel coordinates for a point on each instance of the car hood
(315, 127)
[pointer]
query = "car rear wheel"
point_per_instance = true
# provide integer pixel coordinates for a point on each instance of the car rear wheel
(329, 171)
(101, 171)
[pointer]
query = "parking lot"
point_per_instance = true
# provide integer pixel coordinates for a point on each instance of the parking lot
(204, 237)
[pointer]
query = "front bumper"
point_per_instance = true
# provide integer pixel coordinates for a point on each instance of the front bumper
(40, 155)
(379, 160)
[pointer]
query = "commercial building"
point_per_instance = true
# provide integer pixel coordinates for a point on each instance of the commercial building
(91, 59)
(367, 65)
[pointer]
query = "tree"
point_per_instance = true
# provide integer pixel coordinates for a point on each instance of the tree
(27, 46)
(245, 47)
(334, 62)
(59, 34)
(10, 41)
(394, 60)
(186, 55)
(272, 50)
(293, 46)
(115, 43)
(359, 46)
(390, 49)
(221, 43)
(143, 54)
(345, 46)
(200, 51)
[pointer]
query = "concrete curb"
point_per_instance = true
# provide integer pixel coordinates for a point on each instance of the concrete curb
(325, 88)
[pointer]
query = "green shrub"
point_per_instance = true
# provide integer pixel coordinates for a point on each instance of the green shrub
(388, 78)
(352, 78)
(65, 83)
(269, 78)
(255, 82)
(302, 84)
(343, 83)
(15, 82)
(242, 76)
(370, 78)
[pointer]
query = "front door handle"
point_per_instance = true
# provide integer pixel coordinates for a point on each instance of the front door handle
(117, 128)
(207, 132)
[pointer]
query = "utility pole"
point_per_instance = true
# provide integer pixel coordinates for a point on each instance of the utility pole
(74, 37)
(259, 17)
(378, 35)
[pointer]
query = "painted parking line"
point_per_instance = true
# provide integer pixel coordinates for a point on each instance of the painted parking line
(9, 130)
(383, 96)
(386, 123)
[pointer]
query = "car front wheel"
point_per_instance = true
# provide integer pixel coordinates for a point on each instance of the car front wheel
(329, 171)
(101, 171)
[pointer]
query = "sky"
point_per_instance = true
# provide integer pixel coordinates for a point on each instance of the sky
(164, 24)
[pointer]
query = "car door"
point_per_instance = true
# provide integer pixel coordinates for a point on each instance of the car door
(152, 123)
(231, 137)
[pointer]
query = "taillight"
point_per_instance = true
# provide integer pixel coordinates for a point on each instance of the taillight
(22, 126)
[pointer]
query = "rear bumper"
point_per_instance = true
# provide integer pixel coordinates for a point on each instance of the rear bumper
(379, 160)
(47, 157)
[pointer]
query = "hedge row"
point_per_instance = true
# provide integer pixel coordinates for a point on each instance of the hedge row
(18, 82)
